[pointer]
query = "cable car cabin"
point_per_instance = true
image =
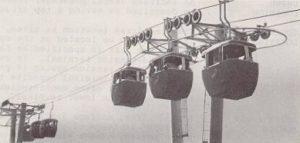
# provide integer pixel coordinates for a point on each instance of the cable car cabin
(27, 137)
(48, 128)
(170, 76)
(129, 87)
(230, 72)
(35, 129)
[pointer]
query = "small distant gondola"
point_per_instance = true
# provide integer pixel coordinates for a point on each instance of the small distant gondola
(129, 87)
(170, 76)
(230, 71)
(48, 128)
(35, 129)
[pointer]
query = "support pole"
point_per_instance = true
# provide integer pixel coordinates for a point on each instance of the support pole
(21, 123)
(21, 111)
(176, 122)
(13, 125)
(216, 118)
(178, 107)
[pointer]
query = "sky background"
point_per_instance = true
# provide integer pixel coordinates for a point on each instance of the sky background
(40, 38)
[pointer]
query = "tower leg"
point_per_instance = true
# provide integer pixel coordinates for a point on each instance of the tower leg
(216, 120)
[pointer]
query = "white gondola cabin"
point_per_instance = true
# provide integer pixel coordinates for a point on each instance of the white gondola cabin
(170, 76)
(48, 128)
(35, 129)
(230, 72)
(129, 87)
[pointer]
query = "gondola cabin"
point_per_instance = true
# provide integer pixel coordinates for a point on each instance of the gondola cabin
(170, 76)
(35, 129)
(48, 128)
(129, 87)
(27, 137)
(230, 72)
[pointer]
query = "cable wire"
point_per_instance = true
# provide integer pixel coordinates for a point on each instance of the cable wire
(283, 23)
(64, 71)
(268, 15)
(81, 89)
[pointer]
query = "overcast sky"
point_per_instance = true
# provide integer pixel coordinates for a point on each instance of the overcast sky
(40, 38)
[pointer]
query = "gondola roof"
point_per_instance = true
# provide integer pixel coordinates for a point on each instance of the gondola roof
(173, 55)
(143, 71)
(251, 46)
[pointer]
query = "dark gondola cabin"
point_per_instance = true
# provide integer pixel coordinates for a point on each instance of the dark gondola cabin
(27, 137)
(129, 87)
(48, 128)
(230, 72)
(35, 129)
(170, 76)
